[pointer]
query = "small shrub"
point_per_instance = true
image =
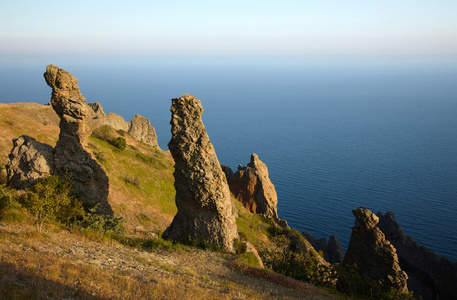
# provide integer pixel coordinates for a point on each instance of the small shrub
(121, 132)
(101, 223)
(103, 133)
(101, 156)
(135, 181)
(51, 199)
(119, 143)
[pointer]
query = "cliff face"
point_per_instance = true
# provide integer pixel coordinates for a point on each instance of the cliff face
(139, 128)
(202, 194)
(29, 161)
(429, 276)
(252, 186)
(90, 183)
(333, 251)
(373, 254)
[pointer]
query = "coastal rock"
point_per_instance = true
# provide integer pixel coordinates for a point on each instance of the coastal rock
(29, 161)
(251, 185)
(374, 255)
(335, 250)
(142, 130)
(228, 172)
(139, 128)
(202, 194)
(429, 276)
(318, 244)
(332, 251)
(90, 182)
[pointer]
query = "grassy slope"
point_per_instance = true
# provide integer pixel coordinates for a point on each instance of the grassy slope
(60, 264)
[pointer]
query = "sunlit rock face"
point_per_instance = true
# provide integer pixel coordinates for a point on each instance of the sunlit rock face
(202, 193)
(29, 161)
(430, 277)
(72, 157)
(374, 255)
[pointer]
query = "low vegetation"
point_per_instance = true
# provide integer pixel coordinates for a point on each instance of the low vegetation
(52, 248)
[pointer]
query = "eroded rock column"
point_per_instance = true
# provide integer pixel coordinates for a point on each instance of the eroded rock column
(202, 193)
(90, 183)
(374, 255)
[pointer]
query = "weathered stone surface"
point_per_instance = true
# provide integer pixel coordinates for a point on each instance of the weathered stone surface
(228, 172)
(29, 161)
(429, 276)
(202, 194)
(252, 186)
(139, 128)
(335, 250)
(373, 254)
(251, 249)
(90, 183)
(318, 244)
(142, 130)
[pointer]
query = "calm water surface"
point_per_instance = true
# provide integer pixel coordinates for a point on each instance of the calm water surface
(334, 137)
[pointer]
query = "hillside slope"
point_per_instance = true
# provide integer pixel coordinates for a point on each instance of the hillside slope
(62, 262)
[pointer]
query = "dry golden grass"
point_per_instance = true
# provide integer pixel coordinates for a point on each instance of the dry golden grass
(62, 264)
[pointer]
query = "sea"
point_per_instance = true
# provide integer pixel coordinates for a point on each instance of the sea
(336, 133)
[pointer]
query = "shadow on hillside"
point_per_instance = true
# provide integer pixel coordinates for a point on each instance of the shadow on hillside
(19, 284)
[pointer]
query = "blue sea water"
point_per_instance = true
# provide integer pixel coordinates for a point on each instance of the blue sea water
(335, 136)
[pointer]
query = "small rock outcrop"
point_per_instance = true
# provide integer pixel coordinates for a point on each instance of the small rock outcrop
(139, 128)
(429, 276)
(90, 182)
(202, 194)
(333, 251)
(373, 254)
(251, 185)
(29, 161)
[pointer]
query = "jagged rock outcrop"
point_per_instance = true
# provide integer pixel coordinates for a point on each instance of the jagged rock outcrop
(318, 244)
(374, 255)
(29, 161)
(252, 186)
(228, 172)
(139, 128)
(202, 194)
(90, 182)
(333, 251)
(429, 276)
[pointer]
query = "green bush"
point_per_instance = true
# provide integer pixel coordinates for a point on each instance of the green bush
(101, 223)
(51, 199)
(103, 133)
(119, 143)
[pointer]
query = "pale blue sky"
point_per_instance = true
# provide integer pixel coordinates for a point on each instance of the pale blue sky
(286, 27)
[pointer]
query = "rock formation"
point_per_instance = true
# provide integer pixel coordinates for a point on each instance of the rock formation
(373, 254)
(29, 161)
(429, 276)
(90, 183)
(252, 186)
(139, 128)
(202, 194)
(333, 251)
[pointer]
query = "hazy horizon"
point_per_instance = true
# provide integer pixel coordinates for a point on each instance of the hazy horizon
(203, 27)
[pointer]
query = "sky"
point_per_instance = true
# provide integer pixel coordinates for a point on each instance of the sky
(211, 27)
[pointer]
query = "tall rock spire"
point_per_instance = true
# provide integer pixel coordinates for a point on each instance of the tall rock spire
(374, 255)
(202, 193)
(90, 182)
